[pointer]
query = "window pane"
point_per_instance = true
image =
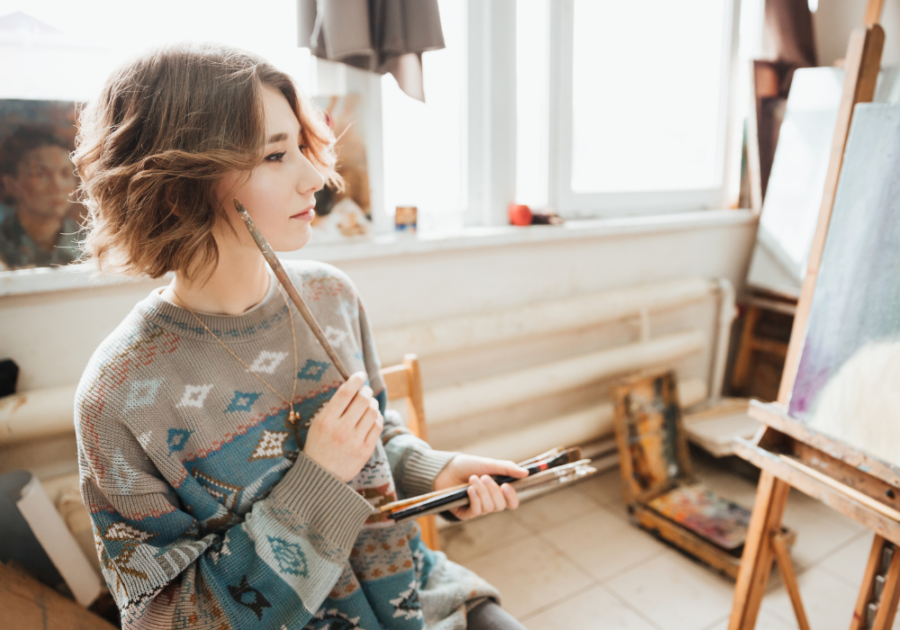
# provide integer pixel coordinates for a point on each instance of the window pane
(648, 95)
(89, 42)
(532, 101)
(425, 143)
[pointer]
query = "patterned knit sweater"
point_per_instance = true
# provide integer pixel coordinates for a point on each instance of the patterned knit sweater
(206, 511)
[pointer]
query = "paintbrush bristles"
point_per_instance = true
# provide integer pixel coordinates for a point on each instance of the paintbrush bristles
(289, 287)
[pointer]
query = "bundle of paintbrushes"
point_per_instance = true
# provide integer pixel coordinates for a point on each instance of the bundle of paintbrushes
(553, 468)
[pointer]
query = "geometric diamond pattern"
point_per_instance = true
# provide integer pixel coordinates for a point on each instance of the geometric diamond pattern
(177, 439)
(124, 531)
(142, 393)
(336, 336)
(267, 361)
(122, 474)
(194, 395)
(289, 556)
(312, 371)
(270, 445)
(242, 401)
(225, 493)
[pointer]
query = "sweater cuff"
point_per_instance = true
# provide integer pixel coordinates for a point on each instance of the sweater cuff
(314, 496)
(422, 466)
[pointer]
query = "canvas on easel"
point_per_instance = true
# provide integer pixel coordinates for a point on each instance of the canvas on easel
(835, 465)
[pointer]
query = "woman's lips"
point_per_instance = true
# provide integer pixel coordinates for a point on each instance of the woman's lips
(307, 215)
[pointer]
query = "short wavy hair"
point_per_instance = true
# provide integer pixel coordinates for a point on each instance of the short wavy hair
(165, 130)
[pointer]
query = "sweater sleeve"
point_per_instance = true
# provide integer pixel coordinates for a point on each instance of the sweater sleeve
(167, 568)
(414, 464)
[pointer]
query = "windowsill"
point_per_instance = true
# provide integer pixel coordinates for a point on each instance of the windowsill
(29, 281)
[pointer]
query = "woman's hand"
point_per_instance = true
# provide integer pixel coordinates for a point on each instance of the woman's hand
(485, 495)
(344, 433)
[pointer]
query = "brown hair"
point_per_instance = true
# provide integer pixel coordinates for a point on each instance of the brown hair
(165, 130)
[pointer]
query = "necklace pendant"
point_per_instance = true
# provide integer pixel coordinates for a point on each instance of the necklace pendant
(293, 416)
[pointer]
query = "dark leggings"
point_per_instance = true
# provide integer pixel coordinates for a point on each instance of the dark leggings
(488, 615)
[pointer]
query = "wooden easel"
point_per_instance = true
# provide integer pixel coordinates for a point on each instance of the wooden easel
(791, 455)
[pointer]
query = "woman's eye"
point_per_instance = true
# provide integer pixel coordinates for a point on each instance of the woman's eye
(275, 157)
(304, 147)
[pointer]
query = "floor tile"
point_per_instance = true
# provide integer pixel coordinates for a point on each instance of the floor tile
(675, 593)
(764, 621)
(481, 535)
(554, 509)
(605, 488)
(530, 575)
(595, 609)
(820, 530)
(603, 544)
(849, 562)
(827, 600)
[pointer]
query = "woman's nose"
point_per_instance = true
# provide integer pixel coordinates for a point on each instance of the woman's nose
(309, 179)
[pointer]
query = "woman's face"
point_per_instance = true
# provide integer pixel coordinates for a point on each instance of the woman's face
(279, 195)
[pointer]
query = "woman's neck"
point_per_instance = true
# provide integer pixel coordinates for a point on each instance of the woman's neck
(239, 282)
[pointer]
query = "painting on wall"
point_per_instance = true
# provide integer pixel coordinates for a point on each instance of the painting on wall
(38, 217)
(347, 213)
(850, 362)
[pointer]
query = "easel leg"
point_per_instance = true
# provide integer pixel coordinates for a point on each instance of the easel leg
(756, 563)
(879, 595)
(790, 578)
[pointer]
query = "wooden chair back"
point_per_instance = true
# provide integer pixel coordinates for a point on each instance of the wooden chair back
(405, 381)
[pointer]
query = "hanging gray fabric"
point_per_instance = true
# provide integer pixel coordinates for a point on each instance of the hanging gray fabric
(376, 35)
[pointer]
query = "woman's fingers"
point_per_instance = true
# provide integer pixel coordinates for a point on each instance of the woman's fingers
(357, 409)
(484, 493)
(511, 469)
(498, 500)
(485, 496)
(475, 507)
(346, 393)
(512, 497)
(375, 429)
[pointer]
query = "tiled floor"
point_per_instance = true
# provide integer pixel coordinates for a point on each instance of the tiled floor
(597, 570)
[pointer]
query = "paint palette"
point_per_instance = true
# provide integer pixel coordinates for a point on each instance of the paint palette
(719, 521)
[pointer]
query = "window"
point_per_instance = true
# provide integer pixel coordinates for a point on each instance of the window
(425, 144)
(640, 108)
(72, 58)
(532, 101)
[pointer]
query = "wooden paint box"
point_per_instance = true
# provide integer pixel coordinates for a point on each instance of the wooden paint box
(657, 480)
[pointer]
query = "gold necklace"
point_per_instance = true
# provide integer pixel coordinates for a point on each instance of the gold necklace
(293, 416)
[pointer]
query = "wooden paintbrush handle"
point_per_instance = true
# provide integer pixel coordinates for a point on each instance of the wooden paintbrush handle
(269, 254)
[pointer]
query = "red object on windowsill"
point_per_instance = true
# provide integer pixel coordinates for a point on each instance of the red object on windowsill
(519, 214)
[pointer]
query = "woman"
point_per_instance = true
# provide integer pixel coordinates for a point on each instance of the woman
(230, 473)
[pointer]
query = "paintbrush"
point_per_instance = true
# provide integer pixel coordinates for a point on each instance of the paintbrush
(460, 496)
(269, 254)
(548, 478)
(396, 505)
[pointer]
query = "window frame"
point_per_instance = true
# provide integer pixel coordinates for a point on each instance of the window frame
(571, 204)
